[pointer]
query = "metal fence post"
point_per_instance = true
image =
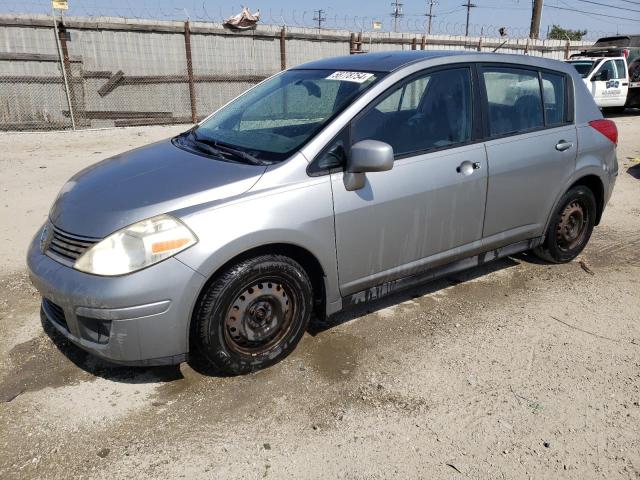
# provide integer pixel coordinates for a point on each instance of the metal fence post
(192, 88)
(64, 72)
(283, 49)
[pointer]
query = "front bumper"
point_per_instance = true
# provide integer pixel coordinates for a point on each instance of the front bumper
(136, 319)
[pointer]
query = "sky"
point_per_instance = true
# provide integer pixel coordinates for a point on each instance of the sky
(598, 17)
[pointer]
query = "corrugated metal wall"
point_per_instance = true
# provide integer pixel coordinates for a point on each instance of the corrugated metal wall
(146, 64)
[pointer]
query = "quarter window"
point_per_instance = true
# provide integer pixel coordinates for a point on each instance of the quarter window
(334, 155)
(514, 100)
(430, 111)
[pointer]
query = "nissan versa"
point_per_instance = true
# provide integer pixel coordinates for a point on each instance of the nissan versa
(326, 185)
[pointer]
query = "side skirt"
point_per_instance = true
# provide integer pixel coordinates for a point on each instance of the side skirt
(394, 286)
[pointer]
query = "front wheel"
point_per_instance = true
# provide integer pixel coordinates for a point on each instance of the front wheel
(570, 227)
(253, 315)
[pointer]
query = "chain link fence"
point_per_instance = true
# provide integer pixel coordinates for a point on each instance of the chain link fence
(113, 72)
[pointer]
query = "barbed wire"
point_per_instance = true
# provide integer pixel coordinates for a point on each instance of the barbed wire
(198, 10)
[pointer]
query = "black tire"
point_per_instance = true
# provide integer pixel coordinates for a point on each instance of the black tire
(272, 297)
(570, 227)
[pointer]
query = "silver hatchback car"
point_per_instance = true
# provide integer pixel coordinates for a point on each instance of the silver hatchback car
(329, 184)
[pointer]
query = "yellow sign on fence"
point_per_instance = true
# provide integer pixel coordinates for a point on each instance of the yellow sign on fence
(60, 4)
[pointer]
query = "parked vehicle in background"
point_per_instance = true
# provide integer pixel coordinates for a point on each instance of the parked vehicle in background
(627, 46)
(606, 78)
(592, 60)
(327, 185)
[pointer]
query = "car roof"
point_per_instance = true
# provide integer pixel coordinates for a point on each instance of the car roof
(394, 60)
(376, 62)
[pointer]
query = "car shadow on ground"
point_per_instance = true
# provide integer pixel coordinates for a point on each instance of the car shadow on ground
(351, 313)
(107, 370)
(116, 373)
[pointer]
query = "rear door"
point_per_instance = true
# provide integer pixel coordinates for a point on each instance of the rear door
(426, 205)
(531, 149)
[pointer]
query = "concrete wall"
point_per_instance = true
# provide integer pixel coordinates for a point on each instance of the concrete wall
(151, 55)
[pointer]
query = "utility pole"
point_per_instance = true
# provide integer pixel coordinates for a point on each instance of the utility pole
(469, 6)
(397, 13)
(430, 14)
(319, 17)
(536, 17)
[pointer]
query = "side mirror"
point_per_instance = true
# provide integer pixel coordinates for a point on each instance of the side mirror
(603, 76)
(367, 156)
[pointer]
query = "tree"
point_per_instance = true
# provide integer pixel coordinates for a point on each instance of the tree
(559, 33)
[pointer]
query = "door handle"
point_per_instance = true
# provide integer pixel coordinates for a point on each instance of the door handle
(563, 145)
(467, 167)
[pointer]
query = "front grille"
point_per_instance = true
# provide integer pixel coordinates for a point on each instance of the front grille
(55, 313)
(69, 246)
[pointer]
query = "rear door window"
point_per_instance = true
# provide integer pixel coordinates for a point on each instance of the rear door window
(514, 100)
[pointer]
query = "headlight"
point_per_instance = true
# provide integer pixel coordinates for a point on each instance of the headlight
(137, 246)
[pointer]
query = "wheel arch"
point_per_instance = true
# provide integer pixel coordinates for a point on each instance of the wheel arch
(595, 184)
(307, 260)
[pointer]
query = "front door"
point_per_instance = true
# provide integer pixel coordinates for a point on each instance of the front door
(610, 84)
(431, 204)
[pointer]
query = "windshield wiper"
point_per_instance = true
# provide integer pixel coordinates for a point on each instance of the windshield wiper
(221, 149)
(202, 146)
(241, 154)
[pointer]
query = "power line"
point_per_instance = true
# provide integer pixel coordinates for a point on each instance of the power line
(617, 23)
(591, 13)
(608, 6)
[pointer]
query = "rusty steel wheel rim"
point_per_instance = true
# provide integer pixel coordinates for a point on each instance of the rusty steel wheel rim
(259, 317)
(572, 227)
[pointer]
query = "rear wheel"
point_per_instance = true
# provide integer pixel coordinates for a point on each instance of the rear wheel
(570, 227)
(253, 315)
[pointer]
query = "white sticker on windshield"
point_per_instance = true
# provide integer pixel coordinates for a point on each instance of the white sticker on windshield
(358, 77)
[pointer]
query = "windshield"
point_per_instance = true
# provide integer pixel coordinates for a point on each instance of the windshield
(583, 67)
(277, 117)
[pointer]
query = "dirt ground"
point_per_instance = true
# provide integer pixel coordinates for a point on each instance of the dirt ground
(515, 370)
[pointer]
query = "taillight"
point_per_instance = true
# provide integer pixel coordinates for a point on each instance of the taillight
(626, 52)
(607, 128)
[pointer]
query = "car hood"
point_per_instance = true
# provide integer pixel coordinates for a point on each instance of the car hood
(158, 178)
